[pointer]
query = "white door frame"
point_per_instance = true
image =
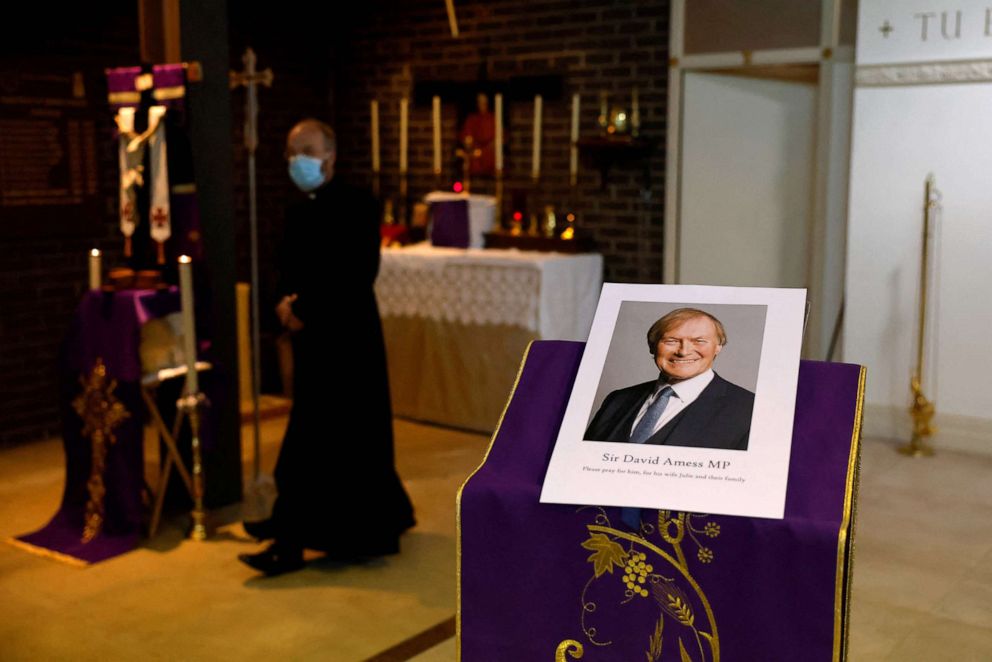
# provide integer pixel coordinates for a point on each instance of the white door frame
(824, 56)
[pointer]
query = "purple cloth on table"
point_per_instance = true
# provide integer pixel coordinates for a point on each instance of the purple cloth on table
(773, 587)
(107, 327)
(450, 223)
(121, 81)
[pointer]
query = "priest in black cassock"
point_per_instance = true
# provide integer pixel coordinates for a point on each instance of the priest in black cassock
(337, 483)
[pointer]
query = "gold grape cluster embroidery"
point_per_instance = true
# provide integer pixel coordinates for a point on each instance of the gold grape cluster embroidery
(653, 571)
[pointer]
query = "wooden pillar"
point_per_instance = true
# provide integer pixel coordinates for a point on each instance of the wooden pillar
(203, 25)
(159, 21)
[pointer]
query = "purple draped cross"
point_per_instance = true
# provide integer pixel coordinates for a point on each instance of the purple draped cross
(105, 330)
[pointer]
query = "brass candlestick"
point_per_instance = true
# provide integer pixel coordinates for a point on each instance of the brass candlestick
(190, 404)
(922, 410)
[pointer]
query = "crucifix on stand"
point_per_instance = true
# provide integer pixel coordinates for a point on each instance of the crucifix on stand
(466, 154)
(250, 78)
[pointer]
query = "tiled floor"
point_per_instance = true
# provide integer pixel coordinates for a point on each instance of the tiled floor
(923, 561)
(922, 584)
(174, 599)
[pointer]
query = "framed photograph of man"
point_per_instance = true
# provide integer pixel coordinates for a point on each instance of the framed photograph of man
(684, 400)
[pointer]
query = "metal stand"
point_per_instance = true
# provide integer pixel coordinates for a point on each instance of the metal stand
(922, 410)
(169, 437)
(251, 78)
(191, 404)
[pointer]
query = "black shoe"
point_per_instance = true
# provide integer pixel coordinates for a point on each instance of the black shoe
(276, 560)
(263, 529)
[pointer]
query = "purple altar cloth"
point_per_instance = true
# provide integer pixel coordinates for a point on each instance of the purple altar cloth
(450, 226)
(107, 329)
(539, 578)
(108, 326)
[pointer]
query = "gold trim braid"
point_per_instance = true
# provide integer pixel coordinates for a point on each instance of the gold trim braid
(458, 508)
(843, 579)
(47, 553)
(124, 97)
(168, 93)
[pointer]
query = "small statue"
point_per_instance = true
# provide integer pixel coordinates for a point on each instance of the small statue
(550, 223)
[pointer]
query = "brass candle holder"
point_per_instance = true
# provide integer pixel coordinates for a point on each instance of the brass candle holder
(190, 404)
(922, 410)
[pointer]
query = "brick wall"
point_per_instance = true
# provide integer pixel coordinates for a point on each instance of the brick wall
(41, 280)
(298, 54)
(378, 51)
(606, 45)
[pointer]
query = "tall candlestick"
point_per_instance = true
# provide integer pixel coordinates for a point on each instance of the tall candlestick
(375, 136)
(536, 157)
(189, 329)
(573, 163)
(404, 118)
(635, 114)
(95, 269)
(499, 133)
(436, 103)
(191, 401)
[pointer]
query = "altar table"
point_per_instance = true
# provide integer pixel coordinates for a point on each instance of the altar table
(457, 321)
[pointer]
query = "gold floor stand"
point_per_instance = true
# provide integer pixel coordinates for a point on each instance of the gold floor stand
(916, 448)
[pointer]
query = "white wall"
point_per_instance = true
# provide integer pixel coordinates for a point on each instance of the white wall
(747, 155)
(832, 236)
(900, 135)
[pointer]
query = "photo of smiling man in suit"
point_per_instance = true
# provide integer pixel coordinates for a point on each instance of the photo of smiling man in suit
(689, 404)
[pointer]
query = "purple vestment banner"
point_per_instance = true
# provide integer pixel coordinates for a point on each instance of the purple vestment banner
(169, 85)
(122, 87)
(546, 581)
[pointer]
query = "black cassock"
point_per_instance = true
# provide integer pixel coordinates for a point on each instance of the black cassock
(336, 477)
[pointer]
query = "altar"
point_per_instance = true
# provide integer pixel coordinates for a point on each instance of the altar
(457, 321)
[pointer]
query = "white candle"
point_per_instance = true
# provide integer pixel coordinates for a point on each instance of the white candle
(436, 102)
(189, 328)
(375, 136)
(95, 269)
(404, 117)
(536, 158)
(499, 133)
(573, 164)
(635, 113)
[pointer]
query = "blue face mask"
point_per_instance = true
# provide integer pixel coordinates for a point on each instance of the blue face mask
(305, 171)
